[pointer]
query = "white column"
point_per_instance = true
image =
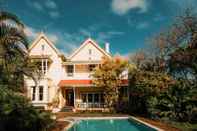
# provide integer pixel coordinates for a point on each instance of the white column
(42, 65)
(46, 66)
(45, 93)
(74, 96)
(37, 93)
(73, 69)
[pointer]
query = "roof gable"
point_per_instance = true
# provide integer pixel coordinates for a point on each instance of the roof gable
(41, 37)
(89, 43)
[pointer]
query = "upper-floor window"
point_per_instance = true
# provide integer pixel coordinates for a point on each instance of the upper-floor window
(42, 66)
(42, 47)
(90, 51)
(41, 93)
(70, 70)
(91, 67)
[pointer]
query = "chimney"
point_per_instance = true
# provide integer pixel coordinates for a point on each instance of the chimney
(107, 47)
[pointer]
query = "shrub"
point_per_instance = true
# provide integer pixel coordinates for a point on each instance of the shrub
(16, 113)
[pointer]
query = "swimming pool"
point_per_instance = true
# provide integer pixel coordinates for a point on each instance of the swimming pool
(110, 125)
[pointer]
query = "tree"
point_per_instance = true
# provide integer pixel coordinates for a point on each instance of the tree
(178, 102)
(14, 61)
(16, 111)
(109, 77)
(164, 85)
(177, 46)
(143, 85)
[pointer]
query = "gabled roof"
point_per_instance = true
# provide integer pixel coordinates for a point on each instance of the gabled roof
(87, 41)
(43, 36)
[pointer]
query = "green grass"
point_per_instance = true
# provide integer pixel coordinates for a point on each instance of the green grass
(184, 126)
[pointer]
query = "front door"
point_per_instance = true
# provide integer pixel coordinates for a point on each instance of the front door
(69, 97)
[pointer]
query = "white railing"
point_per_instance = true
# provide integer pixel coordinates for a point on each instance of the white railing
(91, 105)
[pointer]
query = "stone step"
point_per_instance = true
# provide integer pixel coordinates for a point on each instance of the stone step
(67, 109)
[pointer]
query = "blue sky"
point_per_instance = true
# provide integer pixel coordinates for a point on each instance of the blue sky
(125, 24)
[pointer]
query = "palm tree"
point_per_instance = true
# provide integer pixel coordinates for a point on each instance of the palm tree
(9, 16)
(13, 47)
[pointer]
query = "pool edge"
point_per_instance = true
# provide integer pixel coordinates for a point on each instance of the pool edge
(147, 124)
(88, 118)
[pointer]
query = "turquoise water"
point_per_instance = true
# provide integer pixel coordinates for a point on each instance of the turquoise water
(110, 125)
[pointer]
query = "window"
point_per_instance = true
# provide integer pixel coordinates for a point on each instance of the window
(90, 98)
(102, 98)
(70, 69)
(84, 98)
(41, 93)
(124, 91)
(33, 93)
(42, 47)
(90, 51)
(91, 67)
(42, 65)
(96, 98)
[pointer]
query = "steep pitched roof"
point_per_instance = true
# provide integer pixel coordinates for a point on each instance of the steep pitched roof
(43, 36)
(87, 41)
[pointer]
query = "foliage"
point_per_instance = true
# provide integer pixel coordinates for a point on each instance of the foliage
(177, 46)
(14, 61)
(164, 85)
(179, 102)
(109, 77)
(16, 113)
(143, 85)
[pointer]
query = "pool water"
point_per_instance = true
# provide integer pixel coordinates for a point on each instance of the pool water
(110, 125)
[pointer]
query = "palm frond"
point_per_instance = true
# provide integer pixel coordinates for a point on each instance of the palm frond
(9, 16)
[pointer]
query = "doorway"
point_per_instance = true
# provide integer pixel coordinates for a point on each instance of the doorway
(69, 97)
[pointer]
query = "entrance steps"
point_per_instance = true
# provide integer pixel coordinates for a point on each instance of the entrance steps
(67, 109)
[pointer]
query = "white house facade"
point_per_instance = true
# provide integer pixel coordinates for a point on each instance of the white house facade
(66, 79)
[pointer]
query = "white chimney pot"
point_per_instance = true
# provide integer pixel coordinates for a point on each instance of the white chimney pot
(107, 47)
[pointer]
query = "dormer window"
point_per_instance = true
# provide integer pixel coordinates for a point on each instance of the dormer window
(42, 47)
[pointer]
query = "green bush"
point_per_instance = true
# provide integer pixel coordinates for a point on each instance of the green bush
(16, 113)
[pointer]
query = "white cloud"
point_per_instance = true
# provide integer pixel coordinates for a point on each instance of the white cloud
(67, 42)
(122, 7)
(30, 32)
(115, 33)
(143, 25)
(52, 37)
(158, 17)
(37, 6)
(50, 4)
(54, 14)
(105, 36)
(85, 32)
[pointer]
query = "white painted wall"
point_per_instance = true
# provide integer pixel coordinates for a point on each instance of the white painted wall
(56, 71)
(83, 54)
(51, 80)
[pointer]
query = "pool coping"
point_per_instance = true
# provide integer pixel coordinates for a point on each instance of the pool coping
(73, 120)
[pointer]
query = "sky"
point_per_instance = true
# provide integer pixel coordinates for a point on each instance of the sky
(126, 24)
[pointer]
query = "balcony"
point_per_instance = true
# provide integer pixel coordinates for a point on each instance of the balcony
(42, 62)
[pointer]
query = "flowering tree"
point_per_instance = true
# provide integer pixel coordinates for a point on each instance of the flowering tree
(109, 77)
